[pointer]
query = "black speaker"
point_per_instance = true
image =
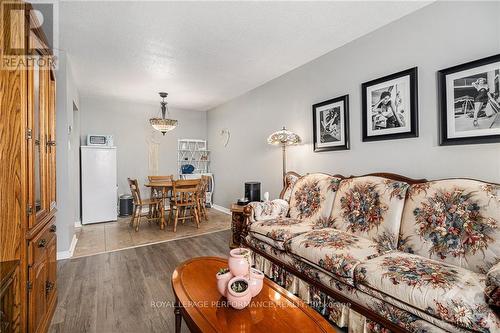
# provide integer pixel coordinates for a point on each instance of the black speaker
(252, 191)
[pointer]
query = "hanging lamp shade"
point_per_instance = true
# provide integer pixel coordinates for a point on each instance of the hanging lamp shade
(163, 124)
(284, 137)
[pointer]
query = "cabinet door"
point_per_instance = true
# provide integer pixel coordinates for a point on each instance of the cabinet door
(51, 143)
(51, 285)
(37, 150)
(37, 298)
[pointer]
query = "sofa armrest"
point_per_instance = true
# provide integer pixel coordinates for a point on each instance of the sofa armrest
(262, 211)
(492, 289)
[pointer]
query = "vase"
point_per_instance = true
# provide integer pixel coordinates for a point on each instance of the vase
(256, 281)
(238, 299)
(222, 282)
(238, 261)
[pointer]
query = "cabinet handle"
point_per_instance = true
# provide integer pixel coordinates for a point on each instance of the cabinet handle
(48, 286)
(42, 243)
(53, 228)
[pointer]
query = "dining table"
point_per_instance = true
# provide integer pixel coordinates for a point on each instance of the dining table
(163, 184)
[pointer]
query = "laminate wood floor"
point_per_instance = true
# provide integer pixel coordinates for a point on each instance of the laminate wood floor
(129, 290)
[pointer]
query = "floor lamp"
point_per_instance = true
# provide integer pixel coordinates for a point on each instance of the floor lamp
(283, 138)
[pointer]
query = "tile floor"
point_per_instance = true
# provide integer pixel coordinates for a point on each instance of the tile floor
(112, 236)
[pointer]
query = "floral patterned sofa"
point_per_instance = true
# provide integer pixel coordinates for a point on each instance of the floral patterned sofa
(387, 253)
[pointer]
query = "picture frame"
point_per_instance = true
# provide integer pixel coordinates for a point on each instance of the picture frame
(469, 102)
(331, 124)
(390, 106)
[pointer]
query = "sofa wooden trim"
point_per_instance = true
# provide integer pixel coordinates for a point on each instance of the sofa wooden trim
(394, 176)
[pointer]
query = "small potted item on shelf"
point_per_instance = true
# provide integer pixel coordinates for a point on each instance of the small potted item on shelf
(239, 261)
(187, 169)
(223, 276)
(256, 281)
(238, 292)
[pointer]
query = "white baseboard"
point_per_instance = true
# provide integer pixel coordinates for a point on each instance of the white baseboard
(221, 209)
(78, 224)
(68, 254)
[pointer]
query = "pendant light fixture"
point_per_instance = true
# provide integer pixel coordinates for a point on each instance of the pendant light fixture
(163, 124)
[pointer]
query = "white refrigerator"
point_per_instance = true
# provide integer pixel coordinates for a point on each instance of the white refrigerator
(99, 184)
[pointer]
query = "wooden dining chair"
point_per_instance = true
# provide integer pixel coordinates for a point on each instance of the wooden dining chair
(202, 197)
(184, 198)
(160, 192)
(155, 206)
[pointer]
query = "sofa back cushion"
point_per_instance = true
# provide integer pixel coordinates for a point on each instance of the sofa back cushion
(371, 207)
(290, 180)
(312, 198)
(456, 221)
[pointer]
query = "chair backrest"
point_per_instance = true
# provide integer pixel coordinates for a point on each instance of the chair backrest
(185, 191)
(156, 179)
(134, 188)
(205, 180)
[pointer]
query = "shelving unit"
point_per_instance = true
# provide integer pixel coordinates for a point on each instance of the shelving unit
(194, 152)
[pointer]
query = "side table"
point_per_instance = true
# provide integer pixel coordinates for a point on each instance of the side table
(238, 219)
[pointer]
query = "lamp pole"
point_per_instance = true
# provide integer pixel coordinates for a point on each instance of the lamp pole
(283, 149)
(283, 138)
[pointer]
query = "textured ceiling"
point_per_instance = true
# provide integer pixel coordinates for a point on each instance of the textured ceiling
(206, 53)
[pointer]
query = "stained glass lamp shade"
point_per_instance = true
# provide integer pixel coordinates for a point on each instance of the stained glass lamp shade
(284, 138)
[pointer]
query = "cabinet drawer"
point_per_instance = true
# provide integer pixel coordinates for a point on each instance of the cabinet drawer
(39, 244)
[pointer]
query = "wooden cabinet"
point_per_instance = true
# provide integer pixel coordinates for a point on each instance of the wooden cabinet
(41, 236)
(28, 175)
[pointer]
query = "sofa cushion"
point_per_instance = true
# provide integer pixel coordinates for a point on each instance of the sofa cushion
(456, 221)
(275, 232)
(312, 197)
(412, 319)
(370, 207)
(334, 251)
(290, 180)
(448, 292)
(268, 210)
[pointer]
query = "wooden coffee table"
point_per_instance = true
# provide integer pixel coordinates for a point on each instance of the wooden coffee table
(204, 310)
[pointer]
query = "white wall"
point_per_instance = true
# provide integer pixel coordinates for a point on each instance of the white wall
(438, 36)
(128, 122)
(66, 171)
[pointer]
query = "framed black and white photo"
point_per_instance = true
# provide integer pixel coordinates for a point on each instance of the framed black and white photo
(390, 107)
(331, 124)
(470, 102)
